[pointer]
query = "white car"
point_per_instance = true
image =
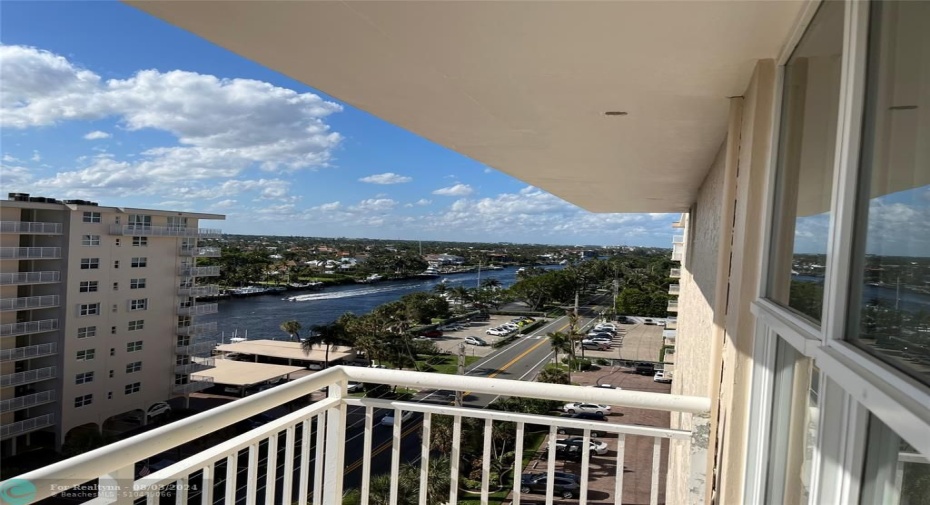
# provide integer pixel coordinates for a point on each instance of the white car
(598, 340)
(496, 332)
(595, 346)
(353, 387)
(593, 408)
(661, 376)
(475, 341)
(388, 420)
(597, 447)
(155, 410)
(606, 326)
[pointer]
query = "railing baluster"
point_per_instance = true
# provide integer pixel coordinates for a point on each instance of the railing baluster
(456, 455)
(152, 496)
(550, 466)
(180, 490)
(252, 479)
(395, 454)
(618, 485)
(232, 468)
(318, 466)
(585, 466)
(271, 468)
(303, 488)
(206, 488)
(335, 442)
(656, 453)
(518, 465)
(424, 457)
(486, 461)
(287, 485)
(366, 462)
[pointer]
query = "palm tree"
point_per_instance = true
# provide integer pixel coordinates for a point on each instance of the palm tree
(440, 288)
(553, 375)
(292, 328)
(490, 283)
(325, 334)
(561, 342)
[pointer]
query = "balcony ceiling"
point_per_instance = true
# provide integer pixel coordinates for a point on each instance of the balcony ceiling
(523, 86)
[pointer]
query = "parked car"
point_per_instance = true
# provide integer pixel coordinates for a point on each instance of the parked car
(496, 332)
(568, 452)
(597, 447)
(157, 409)
(536, 483)
(388, 419)
(475, 341)
(649, 321)
(595, 408)
(644, 368)
(587, 416)
(608, 326)
(481, 317)
(595, 346)
(601, 339)
(432, 333)
(605, 386)
(564, 430)
(354, 386)
(663, 377)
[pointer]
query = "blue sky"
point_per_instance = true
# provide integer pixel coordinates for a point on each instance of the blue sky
(103, 102)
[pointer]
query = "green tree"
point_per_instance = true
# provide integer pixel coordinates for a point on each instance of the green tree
(561, 342)
(292, 328)
(553, 375)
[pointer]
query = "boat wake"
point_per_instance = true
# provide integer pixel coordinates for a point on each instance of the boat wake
(345, 294)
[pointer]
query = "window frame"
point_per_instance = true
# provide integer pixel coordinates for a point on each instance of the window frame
(134, 367)
(90, 263)
(91, 217)
(140, 241)
(83, 400)
(88, 286)
(88, 309)
(134, 346)
(87, 332)
(136, 325)
(90, 240)
(137, 283)
(138, 304)
(139, 262)
(85, 355)
(83, 378)
(132, 388)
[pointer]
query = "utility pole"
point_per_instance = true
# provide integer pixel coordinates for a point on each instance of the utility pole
(458, 393)
(616, 289)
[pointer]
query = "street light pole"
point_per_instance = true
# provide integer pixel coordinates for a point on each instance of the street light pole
(461, 371)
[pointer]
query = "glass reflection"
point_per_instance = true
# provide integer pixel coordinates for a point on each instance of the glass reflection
(806, 151)
(891, 296)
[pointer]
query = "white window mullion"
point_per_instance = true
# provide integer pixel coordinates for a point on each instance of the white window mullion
(760, 414)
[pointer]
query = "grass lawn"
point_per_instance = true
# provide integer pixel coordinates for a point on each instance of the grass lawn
(447, 364)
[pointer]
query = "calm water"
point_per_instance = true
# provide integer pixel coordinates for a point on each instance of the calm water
(262, 315)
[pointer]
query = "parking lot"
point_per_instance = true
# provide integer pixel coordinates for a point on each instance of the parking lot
(637, 464)
(634, 342)
(450, 339)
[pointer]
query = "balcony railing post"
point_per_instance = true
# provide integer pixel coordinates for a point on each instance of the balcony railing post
(116, 487)
(334, 464)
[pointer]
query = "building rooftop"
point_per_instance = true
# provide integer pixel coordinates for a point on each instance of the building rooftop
(287, 350)
(242, 373)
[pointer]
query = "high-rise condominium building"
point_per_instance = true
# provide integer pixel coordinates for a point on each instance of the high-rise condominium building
(97, 314)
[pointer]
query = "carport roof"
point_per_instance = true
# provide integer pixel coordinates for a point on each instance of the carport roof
(287, 350)
(241, 373)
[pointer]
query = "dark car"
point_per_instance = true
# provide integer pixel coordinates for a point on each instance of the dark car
(431, 334)
(588, 416)
(564, 430)
(536, 483)
(645, 368)
(568, 452)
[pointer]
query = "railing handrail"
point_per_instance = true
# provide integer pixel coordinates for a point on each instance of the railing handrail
(30, 252)
(23, 351)
(30, 277)
(165, 231)
(11, 329)
(35, 374)
(34, 423)
(28, 302)
(30, 227)
(21, 402)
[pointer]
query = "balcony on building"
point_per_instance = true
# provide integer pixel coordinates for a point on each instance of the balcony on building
(30, 228)
(23, 278)
(197, 329)
(188, 271)
(671, 323)
(674, 289)
(28, 401)
(196, 365)
(27, 328)
(678, 252)
(26, 426)
(310, 443)
(201, 252)
(678, 224)
(30, 253)
(28, 303)
(197, 291)
(198, 310)
(675, 273)
(197, 348)
(673, 305)
(197, 383)
(29, 376)
(678, 239)
(164, 231)
(28, 352)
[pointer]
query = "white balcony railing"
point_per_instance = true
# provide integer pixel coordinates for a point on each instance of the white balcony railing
(20, 427)
(677, 255)
(201, 252)
(24, 402)
(671, 323)
(678, 239)
(304, 452)
(196, 291)
(199, 366)
(164, 231)
(197, 329)
(199, 271)
(29, 352)
(13, 329)
(30, 228)
(673, 305)
(674, 289)
(28, 303)
(47, 277)
(34, 253)
(199, 310)
(197, 383)
(675, 273)
(28, 377)
(202, 348)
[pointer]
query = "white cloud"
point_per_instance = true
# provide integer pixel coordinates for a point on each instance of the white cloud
(375, 205)
(329, 207)
(14, 178)
(222, 126)
(10, 159)
(36, 157)
(386, 178)
(457, 190)
(423, 202)
(97, 135)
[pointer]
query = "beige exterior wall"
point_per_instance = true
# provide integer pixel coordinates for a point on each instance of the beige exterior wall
(720, 278)
(114, 277)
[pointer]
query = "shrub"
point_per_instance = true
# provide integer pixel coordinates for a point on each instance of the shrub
(578, 364)
(603, 361)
